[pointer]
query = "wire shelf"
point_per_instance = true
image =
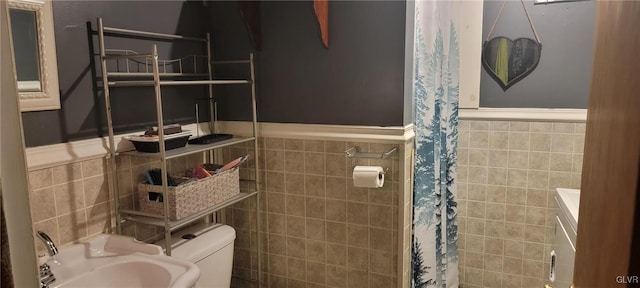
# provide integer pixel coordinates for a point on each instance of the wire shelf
(131, 64)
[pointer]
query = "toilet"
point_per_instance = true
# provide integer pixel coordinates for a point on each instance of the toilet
(210, 247)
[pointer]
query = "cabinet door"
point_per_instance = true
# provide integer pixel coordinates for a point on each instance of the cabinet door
(562, 256)
(607, 250)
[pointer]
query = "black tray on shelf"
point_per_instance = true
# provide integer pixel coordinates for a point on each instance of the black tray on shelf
(211, 138)
(154, 147)
(150, 144)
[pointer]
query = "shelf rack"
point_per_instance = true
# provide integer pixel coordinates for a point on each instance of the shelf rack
(191, 149)
(158, 80)
(150, 219)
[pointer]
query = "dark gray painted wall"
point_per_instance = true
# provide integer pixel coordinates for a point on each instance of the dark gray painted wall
(357, 81)
(563, 75)
(231, 42)
(82, 113)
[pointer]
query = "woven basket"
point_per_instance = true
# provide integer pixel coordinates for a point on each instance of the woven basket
(192, 196)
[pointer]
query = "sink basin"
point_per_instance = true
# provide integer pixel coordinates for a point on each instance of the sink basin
(569, 202)
(119, 261)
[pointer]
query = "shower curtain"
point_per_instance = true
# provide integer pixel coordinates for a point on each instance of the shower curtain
(435, 251)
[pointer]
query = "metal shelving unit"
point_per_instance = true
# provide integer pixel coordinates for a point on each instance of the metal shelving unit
(141, 217)
(159, 79)
(133, 83)
(191, 149)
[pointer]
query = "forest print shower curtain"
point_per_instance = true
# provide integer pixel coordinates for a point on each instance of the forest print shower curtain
(435, 230)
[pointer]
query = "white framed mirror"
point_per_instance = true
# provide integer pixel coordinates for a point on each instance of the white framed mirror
(34, 50)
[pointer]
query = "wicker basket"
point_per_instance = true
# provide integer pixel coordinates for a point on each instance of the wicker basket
(192, 196)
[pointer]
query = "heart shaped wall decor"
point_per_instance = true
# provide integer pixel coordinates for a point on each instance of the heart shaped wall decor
(509, 61)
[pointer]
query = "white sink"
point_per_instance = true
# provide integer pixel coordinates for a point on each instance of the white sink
(569, 202)
(119, 261)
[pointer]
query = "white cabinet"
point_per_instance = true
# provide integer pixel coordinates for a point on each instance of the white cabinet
(563, 249)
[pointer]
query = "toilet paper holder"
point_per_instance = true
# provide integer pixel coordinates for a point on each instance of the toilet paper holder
(354, 152)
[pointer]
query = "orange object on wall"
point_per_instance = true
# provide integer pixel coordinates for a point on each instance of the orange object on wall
(321, 8)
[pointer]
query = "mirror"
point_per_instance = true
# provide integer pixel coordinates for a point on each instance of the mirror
(25, 50)
(35, 54)
(509, 61)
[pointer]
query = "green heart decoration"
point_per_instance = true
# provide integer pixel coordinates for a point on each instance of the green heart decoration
(509, 61)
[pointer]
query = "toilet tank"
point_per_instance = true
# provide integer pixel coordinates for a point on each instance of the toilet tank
(210, 247)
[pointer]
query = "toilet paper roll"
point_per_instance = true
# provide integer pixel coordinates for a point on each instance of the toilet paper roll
(368, 176)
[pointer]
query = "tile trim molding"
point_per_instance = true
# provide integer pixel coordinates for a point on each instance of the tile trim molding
(394, 134)
(63, 153)
(526, 114)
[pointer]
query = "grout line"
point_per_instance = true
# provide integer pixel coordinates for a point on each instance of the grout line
(304, 216)
(326, 242)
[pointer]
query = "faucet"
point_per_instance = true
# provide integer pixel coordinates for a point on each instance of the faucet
(53, 250)
(46, 276)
